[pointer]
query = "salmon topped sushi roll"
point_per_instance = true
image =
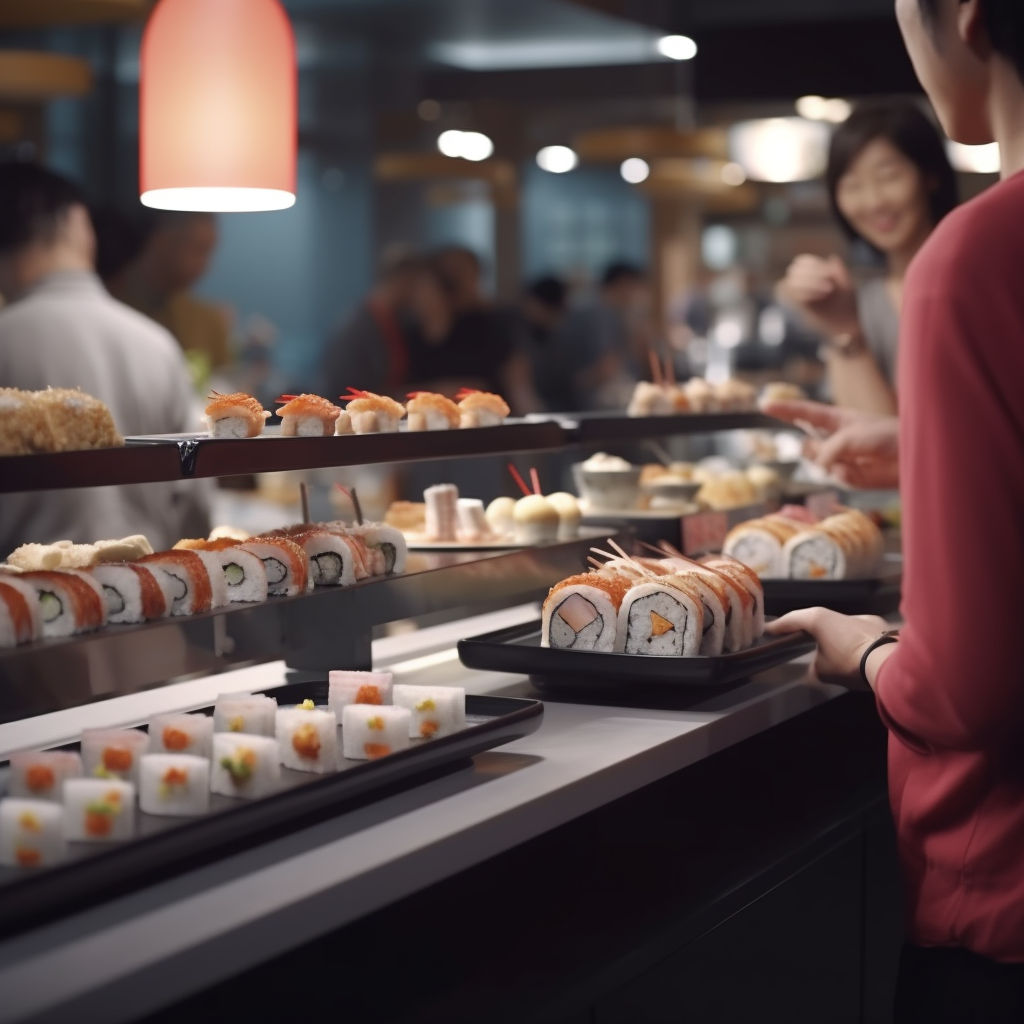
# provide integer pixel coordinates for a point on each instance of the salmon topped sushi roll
(245, 577)
(373, 414)
(481, 408)
(71, 602)
(134, 593)
(21, 617)
(428, 411)
(307, 416)
(235, 415)
(581, 613)
(286, 563)
(191, 589)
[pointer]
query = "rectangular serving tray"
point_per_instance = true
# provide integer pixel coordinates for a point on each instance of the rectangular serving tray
(517, 649)
(163, 847)
(878, 596)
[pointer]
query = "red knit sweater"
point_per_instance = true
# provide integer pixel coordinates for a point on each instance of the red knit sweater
(952, 693)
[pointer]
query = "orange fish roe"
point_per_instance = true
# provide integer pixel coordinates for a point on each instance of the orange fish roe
(40, 778)
(29, 822)
(368, 695)
(98, 823)
(117, 759)
(375, 750)
(306, 742)
(175, 777)
(175, 739)
(427, 729)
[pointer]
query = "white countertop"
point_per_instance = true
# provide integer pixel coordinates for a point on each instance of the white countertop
(133, 955)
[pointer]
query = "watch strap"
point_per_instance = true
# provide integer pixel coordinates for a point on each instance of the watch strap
(890, 636)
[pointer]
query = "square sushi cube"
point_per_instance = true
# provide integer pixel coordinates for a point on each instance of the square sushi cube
(40, 775)
(98, 810)
(308, 738)
(181, 734)
(254, 714)
(113, 753)
(244, 765)
(369, 732)
(346, 688)
(174, 785)
(31, 833)
(436, 710)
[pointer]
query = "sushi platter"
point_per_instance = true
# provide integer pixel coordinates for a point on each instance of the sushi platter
(518, 649)
(86, 873)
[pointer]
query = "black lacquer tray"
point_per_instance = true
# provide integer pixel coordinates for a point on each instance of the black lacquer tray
(94, 873)
(878, 596)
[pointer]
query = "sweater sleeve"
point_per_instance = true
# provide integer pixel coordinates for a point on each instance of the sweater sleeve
(956, 680)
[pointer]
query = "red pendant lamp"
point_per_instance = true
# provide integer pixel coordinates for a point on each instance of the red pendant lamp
(218, 106)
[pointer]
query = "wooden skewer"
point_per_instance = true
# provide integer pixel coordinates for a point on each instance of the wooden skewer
(535, 479)
(304, 495)
(656, 376)
(670, 368)
(519, 480)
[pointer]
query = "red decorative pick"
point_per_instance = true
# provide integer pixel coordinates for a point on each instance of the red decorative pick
(519, 480)
(535, 480)
(354, 393)
(466, 392)
(286, 398)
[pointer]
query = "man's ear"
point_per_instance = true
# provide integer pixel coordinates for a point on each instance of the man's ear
(970, 26)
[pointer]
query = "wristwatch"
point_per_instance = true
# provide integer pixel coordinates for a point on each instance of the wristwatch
(890, 636)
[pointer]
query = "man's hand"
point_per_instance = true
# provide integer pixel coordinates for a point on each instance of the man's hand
(858, 449)
(823, 292)
(841, 639)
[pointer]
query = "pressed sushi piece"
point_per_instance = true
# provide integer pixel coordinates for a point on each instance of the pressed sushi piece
(188, 577)
(435, 711)
(40, 774)
(657, 618)
(473, 526)
(442, 523)
(24, 426)
(386, 540)
(244, 766)
(569, 515)
(307, 416)
(307, 738)
(346, 688)
(429, 411)
(78, 420)
(332, 558)
(254, 714)
(373, 414)
(113, 753)
(31, 833)
(481, 408)
(98, 810)
(369, 732)
(245, 576)
(536, 520)
(174, 785)
(286, 564)
(181, 734)
(748, 579)
(235, 415)
(71, 602)
(134, 593)
(581, 613)
(21, 616)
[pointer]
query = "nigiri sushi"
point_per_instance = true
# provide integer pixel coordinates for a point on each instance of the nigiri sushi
(428, 411)
(373, 414)
(307, 416)
(235, 415)
(481, 408)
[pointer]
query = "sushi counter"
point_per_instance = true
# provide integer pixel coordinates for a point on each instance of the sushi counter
(703, 854)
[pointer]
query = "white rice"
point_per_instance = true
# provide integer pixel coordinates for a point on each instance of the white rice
(346, 688)
(308, 739)
(252, 714)
(369, 732)
(113, 753)
(659, 620)
(174, 785)
(31, 833)
(579, 618)
(181, 734)
(435, 711)
(244, 766)
(98, 810)
(40, 775)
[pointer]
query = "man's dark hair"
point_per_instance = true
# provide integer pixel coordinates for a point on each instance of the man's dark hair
(622, 271)
(905, 125)
(33, 202)
(119, 239)
(548, 290)
(1004, 21)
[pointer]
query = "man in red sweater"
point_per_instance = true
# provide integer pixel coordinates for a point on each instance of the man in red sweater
(951, 690)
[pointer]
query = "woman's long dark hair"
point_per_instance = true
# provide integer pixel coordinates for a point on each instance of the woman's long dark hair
(907, 127)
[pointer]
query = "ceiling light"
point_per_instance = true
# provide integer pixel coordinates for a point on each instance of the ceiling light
(779, 149)
(733, 174)
(677, 47)
(634, 170)
(476, 146)
(557, 159)
(974, 159)
(450, 142)
(817, 108)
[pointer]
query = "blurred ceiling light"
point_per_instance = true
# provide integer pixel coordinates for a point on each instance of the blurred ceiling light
(557, 159)
(817, 108)
(469, 145)
(218, 107)
(779, 149)
(733, 174)
(677, 47)
(974, 159)
(428, 110)
(719, 247)
(634, 170)
(771, 326)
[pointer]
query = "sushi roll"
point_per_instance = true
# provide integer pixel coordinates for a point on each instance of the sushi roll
(387, 541)
(286, 563)
(373, 414)
(334, 560)
(735, 600)
(253, 714)
(188, 577)
(536, 520)
(235, 415)
(814, 555)
(713, 599)
(569, 516)
(758, 544)
(307, 416)
(661, 617)
(244, 766)
(21, 616)
(71, 602)
(368, 732)
(40, 775)
(748, 580)
(435, 711)
(113, 753)
(346, 688)
(700, 395)
(442, 502)
(501, 516)
(245, 576)
(174, 785)
(307, 738)
(134, 593)
(581, 613)
(31, 833)
(481, 409)
(428, 411)
(98, 810)
(181, 734)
